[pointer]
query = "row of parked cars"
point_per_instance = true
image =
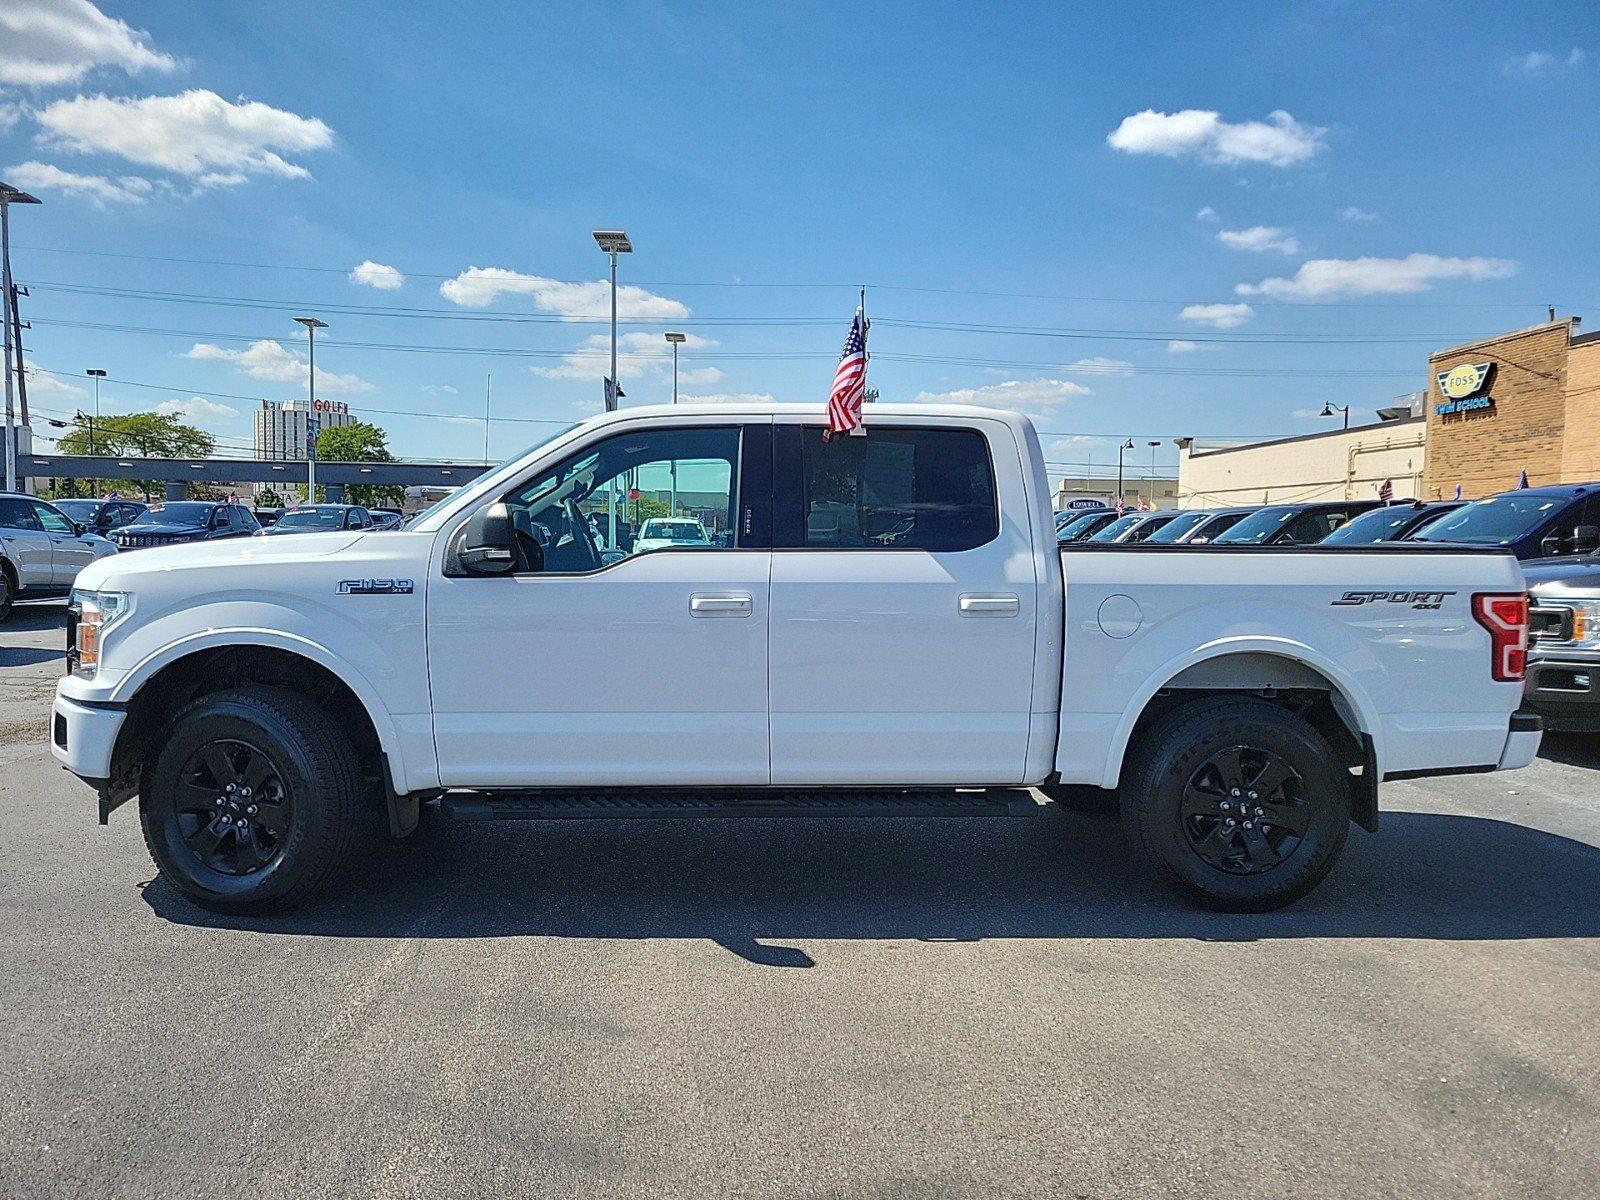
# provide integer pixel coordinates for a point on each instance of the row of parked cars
(1554, 531)
(44, 544)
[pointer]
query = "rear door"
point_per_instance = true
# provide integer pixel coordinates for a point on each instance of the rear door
(26, 544)
(903, 606)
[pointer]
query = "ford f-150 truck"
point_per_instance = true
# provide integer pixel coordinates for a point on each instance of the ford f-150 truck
(502, 656)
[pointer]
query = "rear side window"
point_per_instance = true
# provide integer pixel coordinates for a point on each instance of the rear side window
(894, 489)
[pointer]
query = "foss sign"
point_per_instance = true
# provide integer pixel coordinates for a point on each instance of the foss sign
(1464, 389)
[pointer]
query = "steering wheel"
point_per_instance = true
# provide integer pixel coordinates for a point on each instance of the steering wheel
(583, 534)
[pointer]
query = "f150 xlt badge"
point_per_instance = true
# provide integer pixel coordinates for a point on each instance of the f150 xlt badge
(1424, 600)
(376, 587)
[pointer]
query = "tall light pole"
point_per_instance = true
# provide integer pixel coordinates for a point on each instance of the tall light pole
(312, 423)
(97, 375)
(1153, 446)
(9, 196)
(677, 339)
(1126, 446)
(1329, 408)
(613, 242)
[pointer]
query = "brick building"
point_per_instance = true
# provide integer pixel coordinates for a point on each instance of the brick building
(1523, 401)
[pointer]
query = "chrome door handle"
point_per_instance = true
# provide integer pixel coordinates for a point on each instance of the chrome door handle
(729, 604)
(990, 606)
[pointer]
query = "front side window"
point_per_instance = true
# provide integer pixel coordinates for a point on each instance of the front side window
(894, 489)
(1258, 527)
(1178, 526)
(53, 521)
(634, 493)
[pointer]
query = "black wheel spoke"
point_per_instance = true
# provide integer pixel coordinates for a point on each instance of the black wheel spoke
(246, 853)
(1197, 802)
(1292, 817)
(273, 817)
(1259, 850)
(205, 839)
(215, 757)
(196, 797)
(257, 770)
(1214, 846)
(1229, 766)
(1272, 776)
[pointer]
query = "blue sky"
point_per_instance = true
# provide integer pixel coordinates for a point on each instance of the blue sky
(1125, 226)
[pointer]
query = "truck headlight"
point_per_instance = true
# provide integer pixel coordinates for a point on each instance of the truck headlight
(1585, 622)
(93, 613)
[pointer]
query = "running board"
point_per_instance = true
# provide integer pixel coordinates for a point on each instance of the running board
(633, 805)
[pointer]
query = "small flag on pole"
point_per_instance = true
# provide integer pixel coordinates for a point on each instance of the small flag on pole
(1386, 492)
(614, 393)
(1458, 491)
(1523, 482)
(1121, 507)
(850, 380)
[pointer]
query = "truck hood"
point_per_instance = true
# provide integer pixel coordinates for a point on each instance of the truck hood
(217, 553)
(1573, 577)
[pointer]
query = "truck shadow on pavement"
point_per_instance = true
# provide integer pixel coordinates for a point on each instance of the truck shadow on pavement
(748, 884)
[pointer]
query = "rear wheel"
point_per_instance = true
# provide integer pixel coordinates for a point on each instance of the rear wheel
(251, 804)
(1237, 804)
(8, 592)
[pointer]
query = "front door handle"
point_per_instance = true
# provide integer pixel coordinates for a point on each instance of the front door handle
(973, 605)
(723, 604)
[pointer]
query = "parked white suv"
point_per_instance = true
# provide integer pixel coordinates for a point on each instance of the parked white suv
(1242, 702)
(41, 550)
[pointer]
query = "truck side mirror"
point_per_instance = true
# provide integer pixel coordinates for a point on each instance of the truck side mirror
(1551, 545)
(1586, 539)
(488, 542)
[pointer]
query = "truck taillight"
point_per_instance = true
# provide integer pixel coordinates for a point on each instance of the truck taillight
(1505, 616)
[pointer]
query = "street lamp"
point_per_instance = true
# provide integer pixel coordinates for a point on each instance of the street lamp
(1329, 408)
(97, 375)
(677, 339)
(1127, 445)
(613, 242)
(9, 196)
(1153, 446)
(312, 423)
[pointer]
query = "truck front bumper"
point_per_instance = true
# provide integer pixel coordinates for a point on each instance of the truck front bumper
(1564, 689)
(82, 737)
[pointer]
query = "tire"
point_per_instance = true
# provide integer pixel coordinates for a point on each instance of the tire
(306, 788)
(8, 591)
(1192, 773)
(1082, 798)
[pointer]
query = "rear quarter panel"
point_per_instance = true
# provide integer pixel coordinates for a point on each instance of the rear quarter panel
(1417, 679)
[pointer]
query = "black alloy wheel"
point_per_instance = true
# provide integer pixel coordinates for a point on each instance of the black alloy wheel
(1244, 810)
(232, 807)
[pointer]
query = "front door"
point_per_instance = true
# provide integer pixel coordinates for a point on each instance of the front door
(69, 552)
(597, 664)
(904, 607)
(25, 543)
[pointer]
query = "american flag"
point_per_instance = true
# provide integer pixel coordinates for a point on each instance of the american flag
(1386, 492)
(1523, 482)
(850, 380)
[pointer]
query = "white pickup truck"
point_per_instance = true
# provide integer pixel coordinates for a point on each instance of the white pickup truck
(880, 624)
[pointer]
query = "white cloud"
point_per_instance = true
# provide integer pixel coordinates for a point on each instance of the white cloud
(1352, 213)
(377, 275)
(1100, 365)
(1279, 141)
(1034, 396)
(1182, 347)
(44, 383)
(100, 189)
(1320, 278)
(270, 360)
(198, 408)
(1207, 214)
(10, 114)
(439, 389)
(1576, 57)
(1537, 63)
(1219, 316)
(730, 398)
(1259, 239)
(197, 134)
(638, 353)
(46, 42)
(478, 287)
(1076, 441)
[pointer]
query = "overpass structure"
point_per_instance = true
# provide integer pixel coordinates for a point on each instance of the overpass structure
(177, 473)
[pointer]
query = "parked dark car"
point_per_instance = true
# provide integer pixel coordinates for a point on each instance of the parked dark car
(1539, 522)
(1135, 527)
(267, 517)
(1292, 524)
(1388, 523)
(1085, 525)
(386, 518)
(320, 518)
(185, 521)
(1563, 684)
(1217, 523)
(102, 516)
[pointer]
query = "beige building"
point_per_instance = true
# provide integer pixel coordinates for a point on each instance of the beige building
(1158, 491)
(1339, 464)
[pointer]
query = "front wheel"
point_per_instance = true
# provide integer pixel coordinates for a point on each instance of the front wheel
(250, 806)
(1237, 804)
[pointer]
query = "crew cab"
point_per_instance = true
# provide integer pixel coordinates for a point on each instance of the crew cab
(1240, 705)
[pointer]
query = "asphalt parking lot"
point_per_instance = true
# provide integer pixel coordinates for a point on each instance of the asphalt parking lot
(971, 1007)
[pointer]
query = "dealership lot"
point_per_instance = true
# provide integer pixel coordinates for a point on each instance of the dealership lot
(853, 1007)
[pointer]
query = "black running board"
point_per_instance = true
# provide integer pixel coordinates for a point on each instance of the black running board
(632, 805)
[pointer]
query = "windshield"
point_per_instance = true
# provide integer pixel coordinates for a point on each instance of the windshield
(1178, 526)
(1080, 526)
(674, 531)
(312, 518)
(183, 512)
(1117, 528)
(1496, 521)
(81, 511)
(1258, 526)
(1370, 528)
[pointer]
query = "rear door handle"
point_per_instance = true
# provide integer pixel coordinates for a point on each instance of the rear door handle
(725, 604)
(990, 606)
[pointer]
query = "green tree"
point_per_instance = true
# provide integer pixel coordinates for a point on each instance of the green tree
(267, 498)
(144, 435)
(360, 442)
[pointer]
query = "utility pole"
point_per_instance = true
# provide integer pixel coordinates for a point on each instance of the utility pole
(1127, 445)
(97, 375)
(17, 326)
(9, 196)
(312, 423)
(613, 242)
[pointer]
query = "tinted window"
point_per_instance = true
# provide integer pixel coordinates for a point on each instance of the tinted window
(17, 514)
(1082, 527)
(1258, 526)
(180, 512)
(1310, 528)
(1117, 528)
(1217, 526)
(312, 518)
(51, 520)
(85, 512)
(897, 488)
(1495, 521)
(1178, 526)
